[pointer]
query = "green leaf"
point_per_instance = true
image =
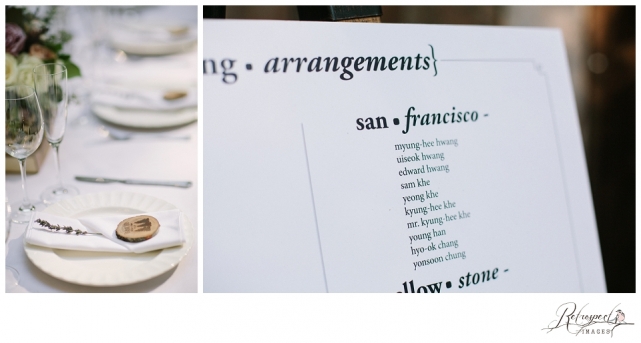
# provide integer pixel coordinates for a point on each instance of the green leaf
(15, 15)
(72, 69)
(57, 41)
(49, 15)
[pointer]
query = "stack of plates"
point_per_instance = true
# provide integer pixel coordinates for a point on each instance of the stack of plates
(153, 39)
(154, 59)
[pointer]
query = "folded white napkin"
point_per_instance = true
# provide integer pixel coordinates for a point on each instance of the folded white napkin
(169, 234)
(143, 99)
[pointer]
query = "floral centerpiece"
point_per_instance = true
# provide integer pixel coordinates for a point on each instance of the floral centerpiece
(29, 43)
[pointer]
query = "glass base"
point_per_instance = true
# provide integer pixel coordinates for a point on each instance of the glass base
(22, 215)
(56, 193)
(11, 278)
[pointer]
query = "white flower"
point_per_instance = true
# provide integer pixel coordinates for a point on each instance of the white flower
(25, 75)
(10, 69)
(59, 65)
(24, 72)
(29, 61)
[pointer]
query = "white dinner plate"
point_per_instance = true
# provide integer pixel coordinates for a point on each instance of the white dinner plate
(155, 48)
(109, 269)
(139, 42)
(144, 118)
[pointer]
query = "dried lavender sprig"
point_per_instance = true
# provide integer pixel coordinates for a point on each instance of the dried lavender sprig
(56, 227)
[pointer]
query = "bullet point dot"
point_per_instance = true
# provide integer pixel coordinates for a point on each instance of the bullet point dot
(396, 121)
(448, 284)
(248, 66)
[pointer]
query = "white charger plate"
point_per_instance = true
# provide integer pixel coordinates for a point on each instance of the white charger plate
(109, 269)
(144, 118)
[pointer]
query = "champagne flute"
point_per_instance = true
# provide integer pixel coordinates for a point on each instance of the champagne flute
(51, 87)
(23, 135)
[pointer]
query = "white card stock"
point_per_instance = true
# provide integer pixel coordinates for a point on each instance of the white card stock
(352, 157)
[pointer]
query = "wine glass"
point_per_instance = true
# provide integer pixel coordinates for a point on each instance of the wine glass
(50, 82)
(23, 135)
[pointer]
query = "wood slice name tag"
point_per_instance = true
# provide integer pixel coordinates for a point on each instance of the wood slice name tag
(137, 229)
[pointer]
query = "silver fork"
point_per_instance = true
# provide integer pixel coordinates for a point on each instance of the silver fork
(123, 136)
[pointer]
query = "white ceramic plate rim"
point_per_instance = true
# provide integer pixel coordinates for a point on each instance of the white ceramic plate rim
(152, 48)
(145, 119)
(49, 262)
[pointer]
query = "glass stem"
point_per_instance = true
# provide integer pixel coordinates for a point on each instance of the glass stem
(55, 147)
(26, 204)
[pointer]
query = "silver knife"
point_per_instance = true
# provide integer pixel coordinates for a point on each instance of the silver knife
(182, 184)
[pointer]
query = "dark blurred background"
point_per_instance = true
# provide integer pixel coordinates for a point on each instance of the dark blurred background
(600, 42)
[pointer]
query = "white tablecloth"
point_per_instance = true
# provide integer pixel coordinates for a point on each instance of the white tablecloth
(85, 152)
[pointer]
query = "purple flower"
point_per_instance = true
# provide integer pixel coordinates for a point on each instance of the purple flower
(14, 39)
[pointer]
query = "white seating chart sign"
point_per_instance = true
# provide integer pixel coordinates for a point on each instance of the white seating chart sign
(352, 157)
